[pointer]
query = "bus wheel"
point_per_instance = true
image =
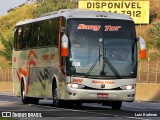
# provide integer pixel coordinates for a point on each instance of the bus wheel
(56, 101)
(116, 105)
(25, 100)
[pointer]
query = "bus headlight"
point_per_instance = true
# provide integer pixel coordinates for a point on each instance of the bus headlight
(74, 85)
(128, 87)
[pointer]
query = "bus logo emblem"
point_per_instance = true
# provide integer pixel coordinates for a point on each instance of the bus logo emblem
(103, 86)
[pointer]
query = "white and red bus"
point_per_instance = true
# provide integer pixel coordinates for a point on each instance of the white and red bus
(76, 56)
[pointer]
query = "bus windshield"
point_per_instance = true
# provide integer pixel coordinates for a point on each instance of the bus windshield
(102, 48)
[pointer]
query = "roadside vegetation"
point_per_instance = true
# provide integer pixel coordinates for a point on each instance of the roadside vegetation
(2, 118)
(7, 24)
(151, 32)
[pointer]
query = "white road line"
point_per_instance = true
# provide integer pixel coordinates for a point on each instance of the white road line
(135, 107)
(7, 101)
(114, 115)
(139, 108)
(150, 103)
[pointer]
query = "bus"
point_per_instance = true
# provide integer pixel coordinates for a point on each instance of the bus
(76, 56)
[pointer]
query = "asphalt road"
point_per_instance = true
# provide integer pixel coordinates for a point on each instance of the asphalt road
(44, 110)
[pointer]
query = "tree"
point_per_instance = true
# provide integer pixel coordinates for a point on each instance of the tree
(8, 46)
(154, 35)
(46, 6)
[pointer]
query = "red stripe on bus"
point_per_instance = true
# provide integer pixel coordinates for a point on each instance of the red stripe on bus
(32, 53)
(27, 71)
(19, 78)
(23, 72)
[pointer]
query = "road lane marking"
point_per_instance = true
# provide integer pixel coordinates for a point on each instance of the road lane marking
(7, 101)
(114, 115)
(140, 108)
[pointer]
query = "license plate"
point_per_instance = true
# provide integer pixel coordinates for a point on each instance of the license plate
(102, 95)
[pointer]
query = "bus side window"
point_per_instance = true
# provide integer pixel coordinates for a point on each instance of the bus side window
(16, 40)
(29, 36)
(25, 36)
(20, 35)
(41, 33)
(49, 34)
(45, 33)
(55, 31)
(34, 40)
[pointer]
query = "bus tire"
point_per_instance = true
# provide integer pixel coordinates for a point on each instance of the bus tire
(116, 105)
(56, 101)
(25, 100)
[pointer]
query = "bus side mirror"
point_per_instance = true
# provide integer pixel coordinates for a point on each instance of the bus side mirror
(143, 51)
(64, 46)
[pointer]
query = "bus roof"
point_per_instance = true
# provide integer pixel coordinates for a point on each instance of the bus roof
(77, 13)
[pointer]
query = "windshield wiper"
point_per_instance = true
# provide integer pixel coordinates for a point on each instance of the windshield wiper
(98, 59)
(112, 67)
(105, 59)
(94, 64)
(108, 63)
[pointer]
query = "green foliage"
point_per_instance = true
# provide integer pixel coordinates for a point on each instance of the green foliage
(3, 118)
(154, 36)
(154, 55)
(7, 23)
(7, 43)
(45, 6)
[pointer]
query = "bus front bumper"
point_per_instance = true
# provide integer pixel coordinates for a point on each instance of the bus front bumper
(99, 95)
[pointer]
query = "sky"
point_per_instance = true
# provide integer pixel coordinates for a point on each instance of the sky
(5, 5)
